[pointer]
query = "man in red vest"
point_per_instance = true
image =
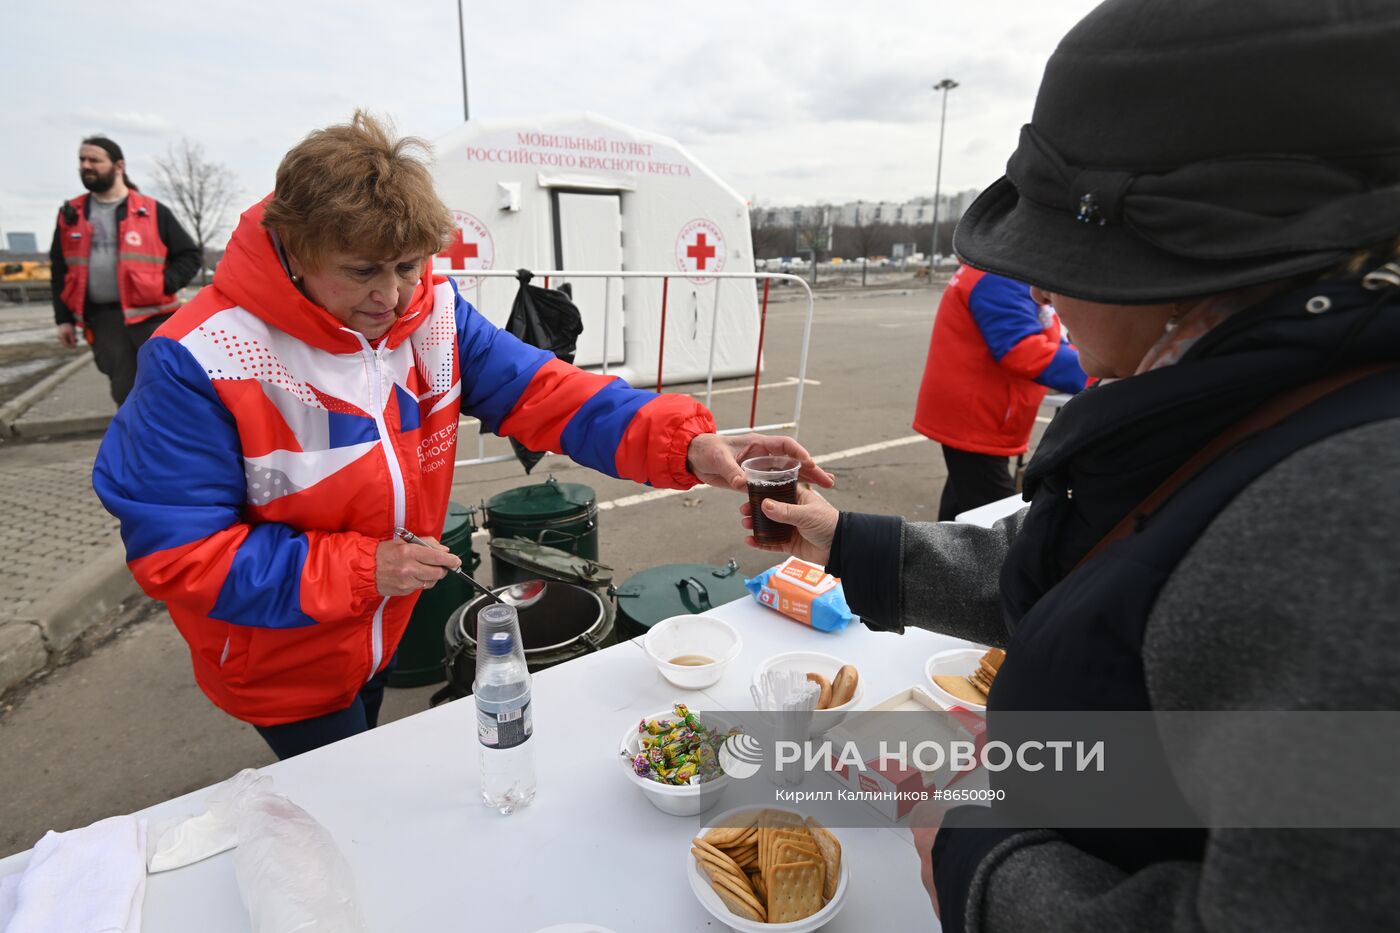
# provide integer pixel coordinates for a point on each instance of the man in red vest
(994, 353)
(119, 257)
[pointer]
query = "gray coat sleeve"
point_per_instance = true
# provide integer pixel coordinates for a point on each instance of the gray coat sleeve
(949, 577)
(1286, 602)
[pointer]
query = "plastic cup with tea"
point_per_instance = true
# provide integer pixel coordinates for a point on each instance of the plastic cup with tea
(771, 478)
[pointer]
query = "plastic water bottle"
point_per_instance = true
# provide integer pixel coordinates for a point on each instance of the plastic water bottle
(503, 717)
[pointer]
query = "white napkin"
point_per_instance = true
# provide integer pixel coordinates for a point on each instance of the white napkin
(189, 841)
(184, 841)
(89, 880)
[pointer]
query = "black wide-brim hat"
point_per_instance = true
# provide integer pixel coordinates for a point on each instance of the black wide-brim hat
(1181, 148)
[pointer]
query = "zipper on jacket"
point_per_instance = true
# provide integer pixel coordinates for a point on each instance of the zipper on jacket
(395, 477)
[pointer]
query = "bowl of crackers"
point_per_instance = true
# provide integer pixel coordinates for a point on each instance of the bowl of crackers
(758, 869)
(963, 677)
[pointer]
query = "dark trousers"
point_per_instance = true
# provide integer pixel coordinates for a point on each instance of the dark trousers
(114, 344)
(973, 480)
(293, 738)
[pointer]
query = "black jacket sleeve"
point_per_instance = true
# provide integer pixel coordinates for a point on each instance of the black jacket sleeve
(58, 271)
(183, 257)
(865, 554)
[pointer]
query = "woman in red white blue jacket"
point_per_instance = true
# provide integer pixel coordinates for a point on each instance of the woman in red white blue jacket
(294, 414)
(994, 353)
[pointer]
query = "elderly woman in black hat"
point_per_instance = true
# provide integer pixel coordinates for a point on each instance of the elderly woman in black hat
(1209, 194)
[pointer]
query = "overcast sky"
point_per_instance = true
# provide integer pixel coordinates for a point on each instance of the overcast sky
(788, 102)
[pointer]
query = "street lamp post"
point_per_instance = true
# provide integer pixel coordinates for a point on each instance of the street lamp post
(462, 47)
(946, 85)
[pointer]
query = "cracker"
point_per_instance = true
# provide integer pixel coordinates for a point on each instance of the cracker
(731, 833)
(790, 852)
(961, 688)
(708, 853)
(778, 819)
(795, 891)
(738, 906)
(746, 858)
(742, 890)
(831, 854)
(769, 822)
(780, 837)
(722, 880)
(800, 838)
(722, 837)
(760, 887)
(710, 865)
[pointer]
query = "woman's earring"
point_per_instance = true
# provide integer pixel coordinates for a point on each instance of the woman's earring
(295, 277)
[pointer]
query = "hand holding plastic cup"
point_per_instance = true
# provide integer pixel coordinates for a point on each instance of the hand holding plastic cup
(771, 478)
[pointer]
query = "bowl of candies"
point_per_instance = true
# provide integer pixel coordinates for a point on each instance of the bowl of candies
(673, 757)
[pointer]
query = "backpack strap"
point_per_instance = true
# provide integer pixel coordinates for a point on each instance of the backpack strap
(1257, 421)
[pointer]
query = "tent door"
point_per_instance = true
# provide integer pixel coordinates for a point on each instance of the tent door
(588, 235)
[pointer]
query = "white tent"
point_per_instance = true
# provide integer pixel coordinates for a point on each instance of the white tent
(583, 192)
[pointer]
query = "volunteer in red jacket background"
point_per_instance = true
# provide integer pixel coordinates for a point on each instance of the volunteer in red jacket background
(306, 404)
(994, 353)
(118, 259)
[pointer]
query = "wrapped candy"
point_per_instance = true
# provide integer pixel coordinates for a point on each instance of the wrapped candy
(680, 751)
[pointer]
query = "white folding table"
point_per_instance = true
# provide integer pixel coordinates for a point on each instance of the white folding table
(989, 514)
(402, 801)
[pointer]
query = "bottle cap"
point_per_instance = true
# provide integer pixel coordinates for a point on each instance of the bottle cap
(499, 643)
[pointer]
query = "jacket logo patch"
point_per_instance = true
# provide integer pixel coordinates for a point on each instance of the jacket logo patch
(133, 238)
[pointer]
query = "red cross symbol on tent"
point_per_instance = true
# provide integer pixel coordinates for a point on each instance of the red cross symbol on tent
(458, 252)
(700, 251)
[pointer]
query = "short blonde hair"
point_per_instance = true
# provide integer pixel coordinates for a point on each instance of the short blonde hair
(354, 188)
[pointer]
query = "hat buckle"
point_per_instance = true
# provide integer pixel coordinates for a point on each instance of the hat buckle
(1089, 212)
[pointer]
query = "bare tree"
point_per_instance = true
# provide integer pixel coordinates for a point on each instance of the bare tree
(865, 235)
(814, 233)
(200, 192)
(769, 238)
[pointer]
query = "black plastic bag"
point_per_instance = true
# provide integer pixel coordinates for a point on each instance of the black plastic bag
(549, 320)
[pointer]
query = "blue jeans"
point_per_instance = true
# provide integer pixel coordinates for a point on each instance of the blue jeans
(293, 738)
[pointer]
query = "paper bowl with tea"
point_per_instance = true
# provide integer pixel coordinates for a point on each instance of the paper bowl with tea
(761, 869)
(692, 651)
(672, 757)
(963, 677)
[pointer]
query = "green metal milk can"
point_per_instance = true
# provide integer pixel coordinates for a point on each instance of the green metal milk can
(555, 514)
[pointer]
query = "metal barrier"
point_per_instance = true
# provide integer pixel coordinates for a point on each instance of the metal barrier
(26, 292)
(767, 278)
